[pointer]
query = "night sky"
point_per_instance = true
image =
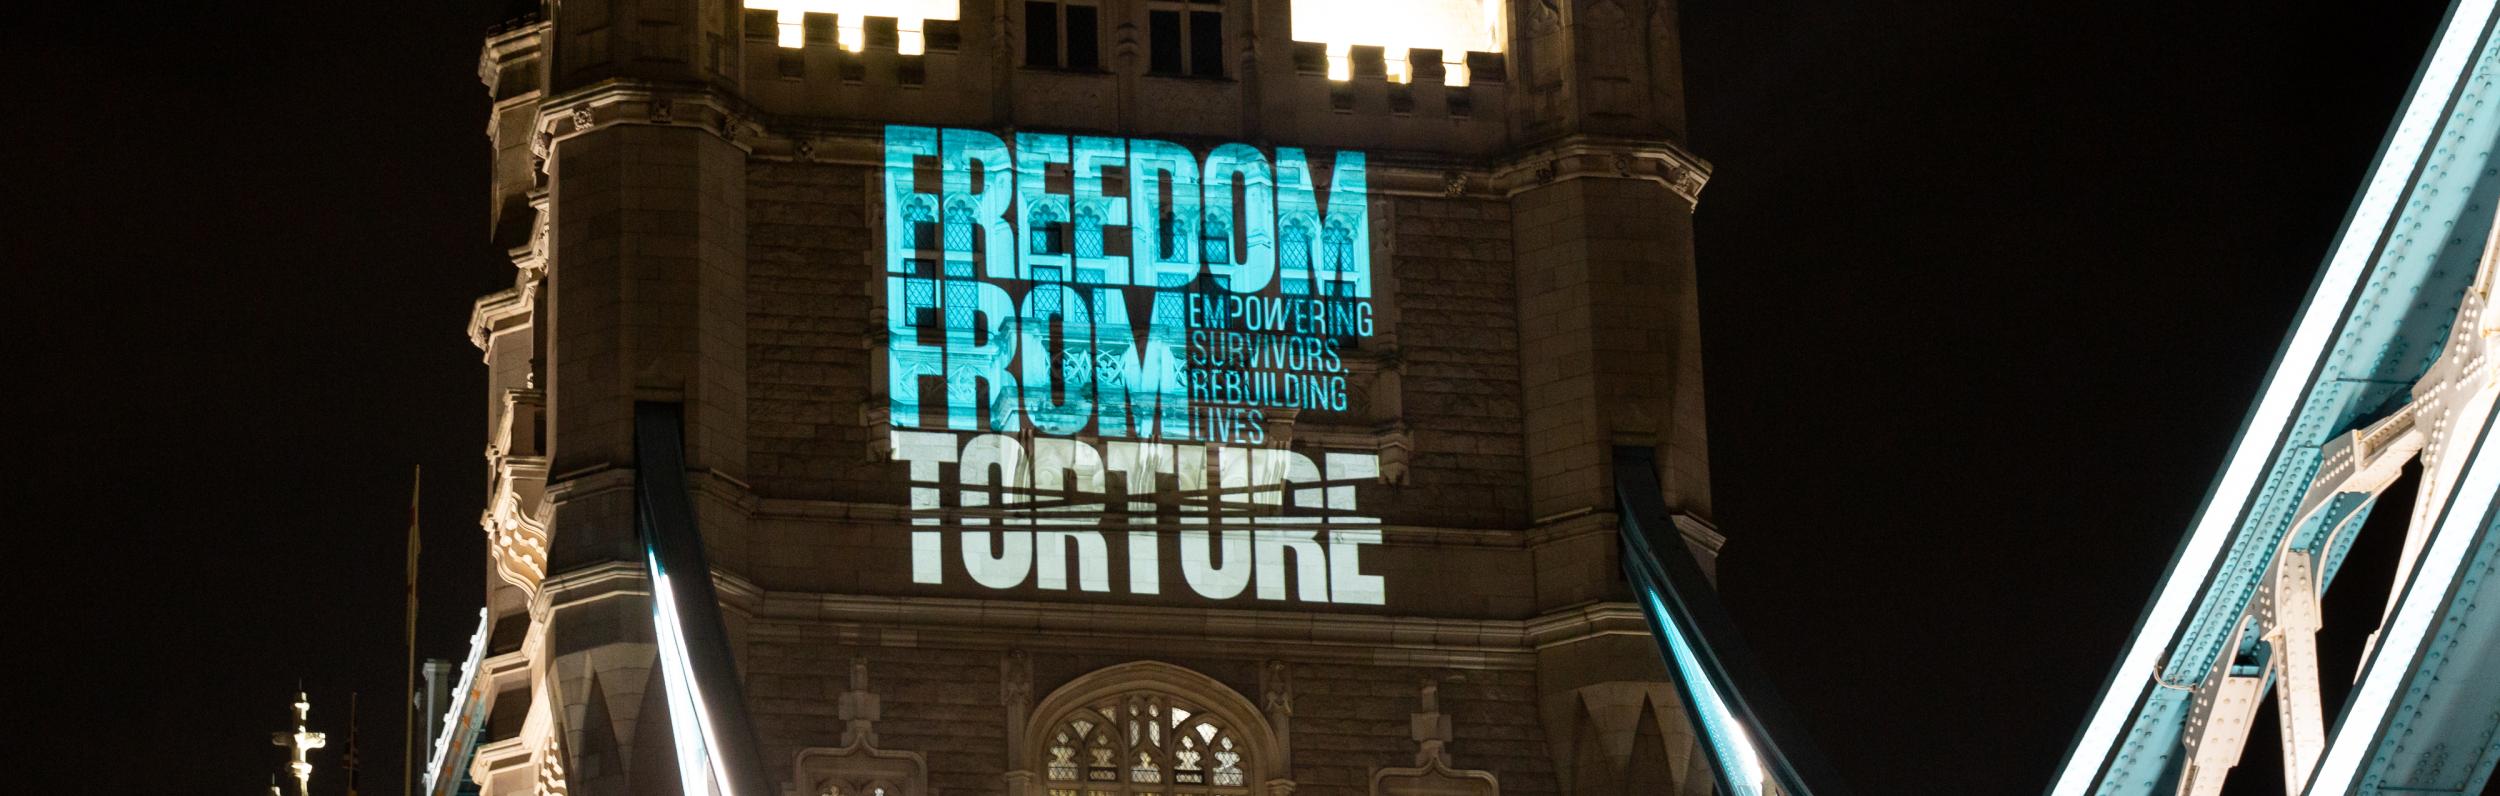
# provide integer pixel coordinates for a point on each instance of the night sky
(1986, 289)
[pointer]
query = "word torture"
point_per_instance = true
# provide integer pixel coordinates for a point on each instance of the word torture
(1238, 517)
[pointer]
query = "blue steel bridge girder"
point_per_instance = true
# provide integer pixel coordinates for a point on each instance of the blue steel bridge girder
(2377, 319)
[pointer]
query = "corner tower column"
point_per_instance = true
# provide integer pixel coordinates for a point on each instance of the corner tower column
(1602, 198)
(646, 302)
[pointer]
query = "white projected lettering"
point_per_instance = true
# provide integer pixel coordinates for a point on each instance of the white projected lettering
(1272, 524)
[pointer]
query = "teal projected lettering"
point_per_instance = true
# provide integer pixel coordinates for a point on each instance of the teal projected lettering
(1128, 288)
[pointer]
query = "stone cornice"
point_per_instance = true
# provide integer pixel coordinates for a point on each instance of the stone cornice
(517, 43)
(1329, 637)
(1391, 174)
(582, 585)
(885, 513)
(633, 102)
(597, 479)
(1699, 531)
(1573, 525)
(497, 311)
(1586, 157)
(858, 144)
(1586, 621)
(509, 754)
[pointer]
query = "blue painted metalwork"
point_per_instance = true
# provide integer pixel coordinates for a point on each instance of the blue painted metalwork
(2425, 712)
(447, 764)
(2388, 292)
(1734, 711)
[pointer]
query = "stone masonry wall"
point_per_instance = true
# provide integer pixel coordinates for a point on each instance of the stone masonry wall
(812, 270)
(946, 704)
(1457, 334)
(808, 303)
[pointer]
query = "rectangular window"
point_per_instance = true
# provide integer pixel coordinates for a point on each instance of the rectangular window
(1084, 46)
(1206, 43)
(1041, 34)
(1185, 38)
(1061, 35)
(1163, 30)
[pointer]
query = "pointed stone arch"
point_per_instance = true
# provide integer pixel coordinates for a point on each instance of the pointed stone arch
(1192, 707)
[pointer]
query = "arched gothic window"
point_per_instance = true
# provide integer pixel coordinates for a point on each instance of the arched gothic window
(1088, 232)
(1047, 216)
(1293, 249)
(922, 217)
(959, 248)
(1149, 735)
(1337, 256)
(1144, 742)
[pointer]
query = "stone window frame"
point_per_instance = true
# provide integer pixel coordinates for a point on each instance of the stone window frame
(1064, 31)
(1190, 59)
(1212, 698)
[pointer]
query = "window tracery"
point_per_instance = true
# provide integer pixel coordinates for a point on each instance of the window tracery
(1143, 742)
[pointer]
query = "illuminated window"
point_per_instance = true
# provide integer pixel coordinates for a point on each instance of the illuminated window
(1187, 37)
(1059, 34)
(1144, 741)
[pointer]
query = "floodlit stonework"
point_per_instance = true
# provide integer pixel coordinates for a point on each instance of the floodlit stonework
(691, 192)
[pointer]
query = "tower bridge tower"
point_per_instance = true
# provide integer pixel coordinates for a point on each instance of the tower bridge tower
(1081, 397)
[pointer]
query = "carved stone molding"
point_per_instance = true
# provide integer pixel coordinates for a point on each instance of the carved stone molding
(632, 103)
(1582, 157)
(1434, 779)
(516, 519)
(1432, 774)
(1276, 700)
(858, 767)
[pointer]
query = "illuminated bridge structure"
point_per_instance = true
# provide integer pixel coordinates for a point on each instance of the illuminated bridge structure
(2389, 363)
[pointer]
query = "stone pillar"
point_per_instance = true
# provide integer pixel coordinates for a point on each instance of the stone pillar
(646, 301)
(1609, 327)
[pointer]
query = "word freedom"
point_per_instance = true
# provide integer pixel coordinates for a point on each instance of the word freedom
(1122, 287)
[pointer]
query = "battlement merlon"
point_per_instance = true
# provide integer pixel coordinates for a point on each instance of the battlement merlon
(1466, 78)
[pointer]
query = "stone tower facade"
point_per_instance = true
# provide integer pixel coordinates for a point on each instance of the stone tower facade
(706, 207)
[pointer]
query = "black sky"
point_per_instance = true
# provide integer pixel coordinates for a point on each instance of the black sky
(1986, 289)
